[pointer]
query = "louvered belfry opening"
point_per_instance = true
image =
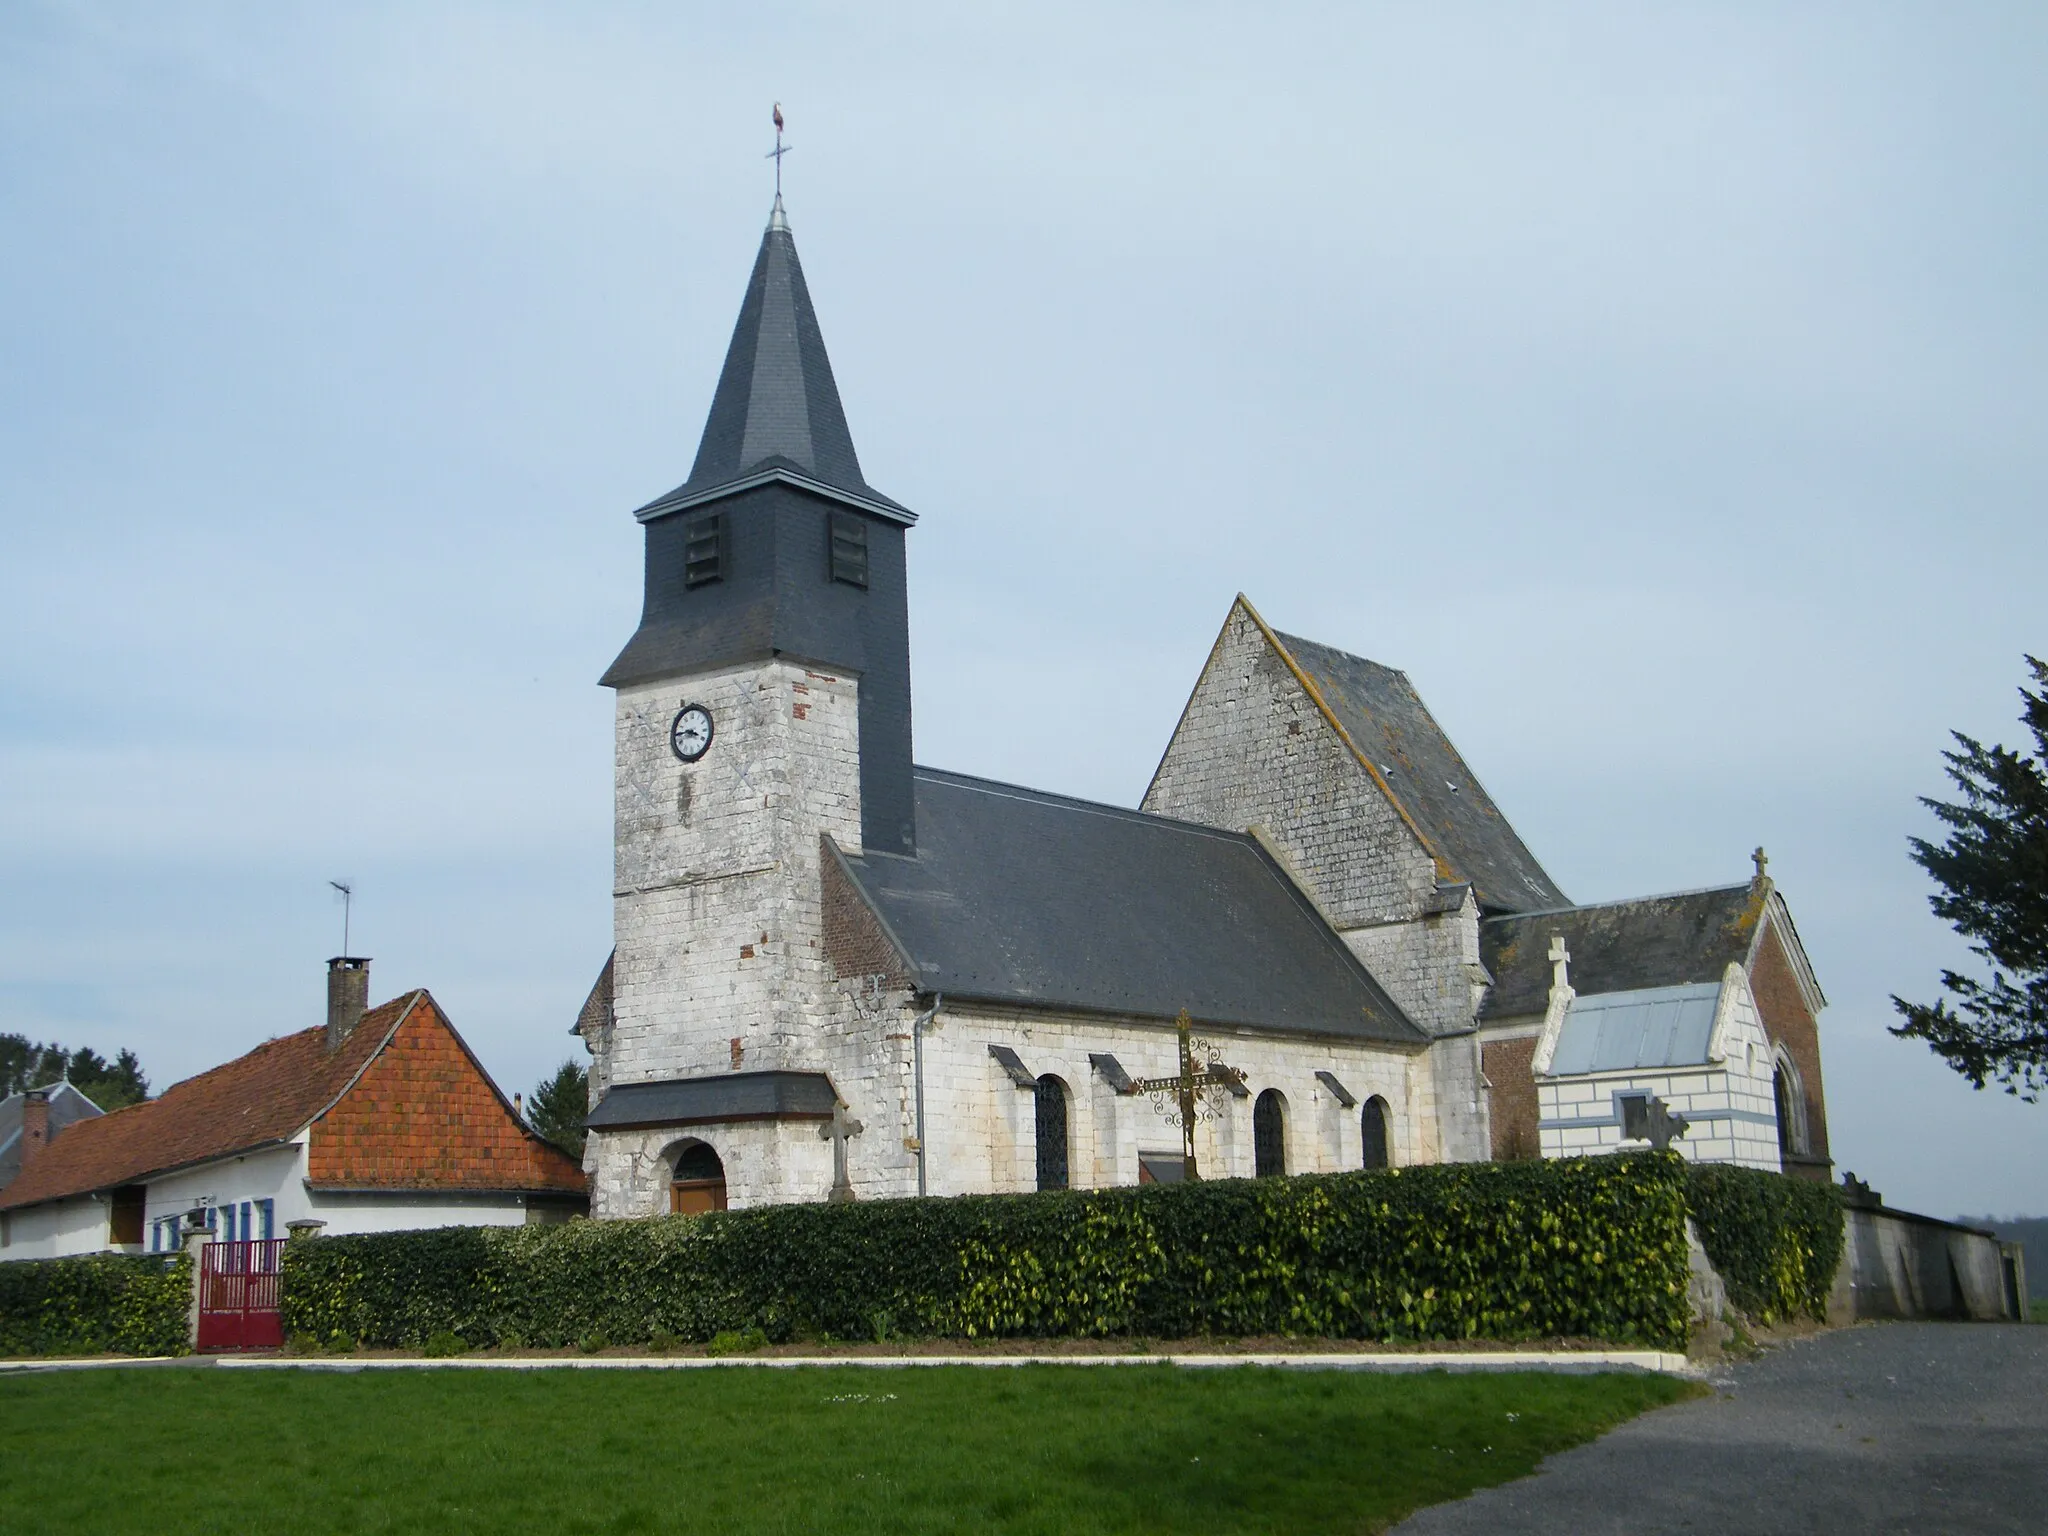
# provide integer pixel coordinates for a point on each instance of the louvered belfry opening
(704, 555)
(1051, 1094)
(849, 562)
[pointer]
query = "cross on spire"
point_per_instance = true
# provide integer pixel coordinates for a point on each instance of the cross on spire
(778, 151)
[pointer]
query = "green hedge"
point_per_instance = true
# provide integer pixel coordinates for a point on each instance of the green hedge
(1776, 1241)
(1589, 1247)
(108, 1304)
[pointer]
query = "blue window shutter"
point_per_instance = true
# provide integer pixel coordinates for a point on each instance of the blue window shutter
(248, 1231)
(269, 1210)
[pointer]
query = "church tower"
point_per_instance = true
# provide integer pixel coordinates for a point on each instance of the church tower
(762, 704)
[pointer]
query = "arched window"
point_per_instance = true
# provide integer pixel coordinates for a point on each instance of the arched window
(698, 1184)
(1372, 1121)
(1269, 1134)
(1051, 1095)
(1791, 1102)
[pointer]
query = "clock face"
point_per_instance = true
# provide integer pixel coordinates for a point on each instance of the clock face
(690, 735)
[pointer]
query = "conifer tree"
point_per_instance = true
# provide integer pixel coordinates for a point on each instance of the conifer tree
(1993, 874)
(558, 1106)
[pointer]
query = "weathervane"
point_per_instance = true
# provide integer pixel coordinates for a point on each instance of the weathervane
(778, 151)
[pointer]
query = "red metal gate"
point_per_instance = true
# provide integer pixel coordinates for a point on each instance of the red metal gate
(238, 1296)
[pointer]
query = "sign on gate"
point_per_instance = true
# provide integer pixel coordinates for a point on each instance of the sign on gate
(238, 1296)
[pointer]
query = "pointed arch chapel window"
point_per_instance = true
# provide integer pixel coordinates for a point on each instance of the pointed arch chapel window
(1785, 1089)
(1373, 1122)
(1051, 1095)
(1269, 1134)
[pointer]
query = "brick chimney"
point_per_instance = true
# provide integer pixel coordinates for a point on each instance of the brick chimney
(35, 1124)
(348, 996)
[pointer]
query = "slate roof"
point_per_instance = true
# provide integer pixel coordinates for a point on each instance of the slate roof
(1022, 897)
(1625, 1031)
(776, 411)
(724, 1097)
(1620, 946)
(257, 1100)
(68, 1106)
(1387, 721)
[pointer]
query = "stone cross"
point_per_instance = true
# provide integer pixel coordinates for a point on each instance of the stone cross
(1560, 963)
(1760, 861)
(1664, 1127)
(836, 1130)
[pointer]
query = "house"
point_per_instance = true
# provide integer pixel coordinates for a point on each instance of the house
(28, 1120)
(379, 1120)
(837, 972)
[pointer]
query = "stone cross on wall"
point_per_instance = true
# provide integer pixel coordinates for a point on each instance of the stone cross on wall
(1664, 1127)
(1560, 963)
(836, 1130)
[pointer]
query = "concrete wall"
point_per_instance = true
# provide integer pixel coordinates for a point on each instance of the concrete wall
(1899, 1265)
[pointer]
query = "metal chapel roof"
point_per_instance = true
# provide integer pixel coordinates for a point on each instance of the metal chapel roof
(776, 411)
(1631, 1031)
(1039, 900)
(1387, 721)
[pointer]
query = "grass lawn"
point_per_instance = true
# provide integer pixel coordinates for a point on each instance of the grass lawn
(1029, 1449)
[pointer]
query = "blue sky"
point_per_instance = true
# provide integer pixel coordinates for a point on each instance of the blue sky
(1661, 388)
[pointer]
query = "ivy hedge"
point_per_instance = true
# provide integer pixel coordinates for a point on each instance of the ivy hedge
(1776, 1241)
(107, 1304)
(1586, 1247)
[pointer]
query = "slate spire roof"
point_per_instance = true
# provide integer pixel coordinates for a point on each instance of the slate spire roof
(776, 413)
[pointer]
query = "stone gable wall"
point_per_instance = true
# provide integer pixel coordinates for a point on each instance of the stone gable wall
(1253, 750)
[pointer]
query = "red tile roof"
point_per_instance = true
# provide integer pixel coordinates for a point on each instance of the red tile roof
(269, 1096)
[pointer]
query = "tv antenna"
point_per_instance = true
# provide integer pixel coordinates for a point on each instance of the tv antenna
(348, 896)
(778, 151)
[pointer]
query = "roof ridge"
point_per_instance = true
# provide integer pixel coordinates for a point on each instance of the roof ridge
(1011, 791)
(1619, 901)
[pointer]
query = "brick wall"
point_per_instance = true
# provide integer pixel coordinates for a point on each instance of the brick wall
(1513, 1098)
(855, 940)
(422, 1116)
(1791, 1024)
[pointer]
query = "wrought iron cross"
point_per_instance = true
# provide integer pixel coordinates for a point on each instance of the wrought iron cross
(778, 151)
(836, 1130)
(1196, 1088)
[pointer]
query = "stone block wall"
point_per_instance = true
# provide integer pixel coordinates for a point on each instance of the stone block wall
(1252, 749)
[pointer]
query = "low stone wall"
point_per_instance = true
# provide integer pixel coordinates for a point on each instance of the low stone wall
(1896, 1264)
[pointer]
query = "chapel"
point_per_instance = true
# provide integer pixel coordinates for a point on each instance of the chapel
(838, 974)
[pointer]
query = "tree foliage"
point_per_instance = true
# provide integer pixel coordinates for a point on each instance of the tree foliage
(24, 1063)
(1993, 874)
(559, 1105)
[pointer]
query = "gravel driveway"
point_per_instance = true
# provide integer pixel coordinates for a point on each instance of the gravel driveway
(1906, 1427)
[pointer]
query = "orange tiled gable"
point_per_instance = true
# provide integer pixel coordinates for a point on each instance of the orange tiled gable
(253, 1101)
(425, 1115)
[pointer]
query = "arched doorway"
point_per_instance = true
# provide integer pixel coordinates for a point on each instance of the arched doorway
(1051, 1095)
(699, 1181)
(1372, 1121)
(1269, 1134)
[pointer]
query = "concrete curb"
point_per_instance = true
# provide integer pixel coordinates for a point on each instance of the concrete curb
(1560, 1361)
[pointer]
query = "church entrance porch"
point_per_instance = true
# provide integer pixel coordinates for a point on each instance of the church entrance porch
(699, 1182)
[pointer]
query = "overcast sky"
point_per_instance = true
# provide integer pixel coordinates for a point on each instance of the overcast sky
(1662, 388)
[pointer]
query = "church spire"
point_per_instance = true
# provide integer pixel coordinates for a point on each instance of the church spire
(776, 413)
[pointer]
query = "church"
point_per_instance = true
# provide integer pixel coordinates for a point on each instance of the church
(841, 975)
